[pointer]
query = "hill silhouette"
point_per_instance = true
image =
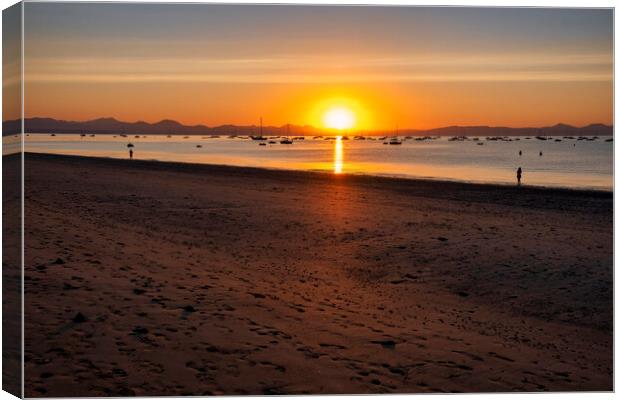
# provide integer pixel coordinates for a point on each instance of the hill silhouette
(110, 125)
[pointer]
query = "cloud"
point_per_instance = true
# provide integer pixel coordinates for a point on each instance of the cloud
(324, 69)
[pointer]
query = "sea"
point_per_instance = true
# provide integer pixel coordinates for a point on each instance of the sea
(565, 162)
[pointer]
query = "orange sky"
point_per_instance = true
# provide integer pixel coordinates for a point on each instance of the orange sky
(420, 105)
(412, 67)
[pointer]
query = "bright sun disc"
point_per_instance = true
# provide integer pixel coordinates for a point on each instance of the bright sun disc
(339, 118)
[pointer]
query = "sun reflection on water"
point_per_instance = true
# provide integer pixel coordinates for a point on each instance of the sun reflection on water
(338, 159)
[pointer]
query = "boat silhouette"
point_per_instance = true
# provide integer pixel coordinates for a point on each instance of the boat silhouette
(260, 136)
(287, 140)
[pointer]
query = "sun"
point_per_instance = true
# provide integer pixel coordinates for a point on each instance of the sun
(339, 118)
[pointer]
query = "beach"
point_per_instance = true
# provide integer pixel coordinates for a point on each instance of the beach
(162, 278)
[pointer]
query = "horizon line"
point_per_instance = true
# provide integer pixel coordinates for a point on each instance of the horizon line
(311, 126)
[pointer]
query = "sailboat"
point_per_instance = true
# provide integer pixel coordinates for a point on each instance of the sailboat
(287, 140)
(394, 139)
(260, 137)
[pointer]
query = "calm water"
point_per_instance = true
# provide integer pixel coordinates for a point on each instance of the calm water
(567, 163)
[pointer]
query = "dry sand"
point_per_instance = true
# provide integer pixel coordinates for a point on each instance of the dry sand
(146, 278)
(11, 275)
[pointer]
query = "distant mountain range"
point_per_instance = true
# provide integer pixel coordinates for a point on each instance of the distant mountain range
(170, 127)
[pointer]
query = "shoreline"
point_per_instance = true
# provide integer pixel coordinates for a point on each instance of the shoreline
(360, 177)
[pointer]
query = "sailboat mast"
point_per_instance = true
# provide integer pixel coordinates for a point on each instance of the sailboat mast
(261, 126)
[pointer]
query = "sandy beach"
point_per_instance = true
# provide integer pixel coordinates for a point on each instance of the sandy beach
(150, 278)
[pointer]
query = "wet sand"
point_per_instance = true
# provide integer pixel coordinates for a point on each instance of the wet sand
(146, 278)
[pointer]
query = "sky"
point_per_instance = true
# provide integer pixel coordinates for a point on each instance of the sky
(412, 67)
(11, 56)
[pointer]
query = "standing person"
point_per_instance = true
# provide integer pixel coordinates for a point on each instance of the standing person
(131, 154)
(519, 172)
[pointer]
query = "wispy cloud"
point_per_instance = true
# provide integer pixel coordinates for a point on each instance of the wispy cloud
(325, 69)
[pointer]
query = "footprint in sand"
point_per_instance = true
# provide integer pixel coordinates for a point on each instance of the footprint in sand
(386, 344)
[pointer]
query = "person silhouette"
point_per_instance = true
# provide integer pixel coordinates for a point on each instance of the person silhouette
(519, 172)
(131, 154)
